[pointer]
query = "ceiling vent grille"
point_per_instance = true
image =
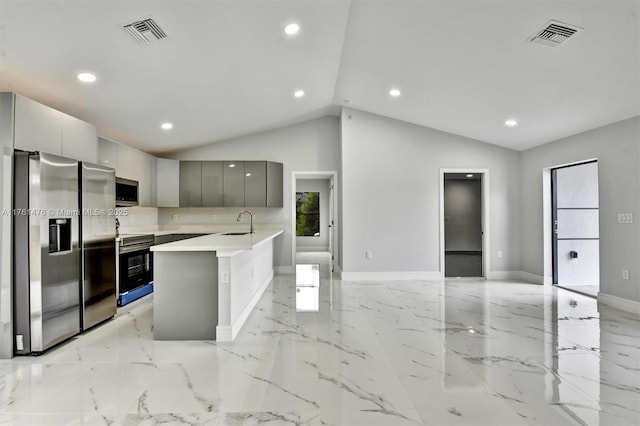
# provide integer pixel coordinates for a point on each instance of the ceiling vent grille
(554, 33)
(145, 31)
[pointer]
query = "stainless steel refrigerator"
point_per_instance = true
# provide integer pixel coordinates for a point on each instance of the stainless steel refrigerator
(52, 302)
(97, 236)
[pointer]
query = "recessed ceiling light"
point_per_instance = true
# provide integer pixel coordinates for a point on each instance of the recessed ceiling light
(469, 175)
(292, 29)
(298, 93)
(86, 77)
(248, 174)
(394, 92)
(232, 165)
(167, 126)
(510, 123)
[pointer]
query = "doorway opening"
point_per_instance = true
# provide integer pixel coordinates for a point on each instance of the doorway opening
(576, 227)
(464, 221)
(314, 214)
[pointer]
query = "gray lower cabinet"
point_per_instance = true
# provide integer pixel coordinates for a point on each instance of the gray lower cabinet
(233, 185)
(211, 183)
(190, 184)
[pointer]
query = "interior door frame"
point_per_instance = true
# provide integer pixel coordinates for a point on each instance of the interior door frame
(486, 217)
(332, 177)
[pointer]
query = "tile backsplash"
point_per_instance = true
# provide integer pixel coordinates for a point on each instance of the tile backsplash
(138, 217)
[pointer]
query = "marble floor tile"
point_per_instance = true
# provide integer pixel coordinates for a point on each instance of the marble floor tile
(453, 352)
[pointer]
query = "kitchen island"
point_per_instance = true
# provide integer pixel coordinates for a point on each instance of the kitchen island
(206, 287)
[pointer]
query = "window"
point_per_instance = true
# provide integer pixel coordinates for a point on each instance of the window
(307, 214)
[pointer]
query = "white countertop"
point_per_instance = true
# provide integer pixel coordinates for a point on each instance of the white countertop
(193, 229)
(220, 242)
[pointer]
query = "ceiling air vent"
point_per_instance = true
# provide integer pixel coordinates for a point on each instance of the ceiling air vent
(145, 31)
(554, 33)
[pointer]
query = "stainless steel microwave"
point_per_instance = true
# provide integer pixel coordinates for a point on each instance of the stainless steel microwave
(126, 192)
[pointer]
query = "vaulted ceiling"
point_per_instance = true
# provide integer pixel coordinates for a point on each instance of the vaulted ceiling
(227, 69)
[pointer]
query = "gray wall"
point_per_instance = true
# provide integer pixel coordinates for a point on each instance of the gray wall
(322, 241)
(391, 193)
(463, 214)
(617, 148)
(308, 146)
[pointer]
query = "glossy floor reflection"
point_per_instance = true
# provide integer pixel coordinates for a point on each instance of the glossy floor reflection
(388, 353)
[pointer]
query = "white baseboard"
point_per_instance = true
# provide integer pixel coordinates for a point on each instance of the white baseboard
(391, 276)
(337, 271)
(532, 278)
(223, 333)
(516, 276)
(504, 275)
(312, 248)
(619, 303)
(285, 270)
(238, 323)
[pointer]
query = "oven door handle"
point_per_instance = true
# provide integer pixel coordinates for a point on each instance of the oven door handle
(134, 247)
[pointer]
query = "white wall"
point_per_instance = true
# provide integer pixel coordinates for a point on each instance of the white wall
(321, 242)
(390, 194)
(309, 146)
(617, 148)
(6, 224)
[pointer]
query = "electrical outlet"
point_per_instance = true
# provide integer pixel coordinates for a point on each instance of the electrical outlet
(19, 342)
(368, 255)
(625, 217)
(175, 217)
(500, 253)
(224, 277)
(625, 274)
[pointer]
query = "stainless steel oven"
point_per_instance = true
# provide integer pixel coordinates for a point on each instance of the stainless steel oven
(135, 267)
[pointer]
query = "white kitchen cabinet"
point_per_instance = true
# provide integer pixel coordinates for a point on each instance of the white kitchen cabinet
(79, 139)
(167, 182)
(107, 153)
(37, 127)
(137, 165)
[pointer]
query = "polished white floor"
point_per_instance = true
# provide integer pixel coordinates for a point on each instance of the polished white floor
(459, 352)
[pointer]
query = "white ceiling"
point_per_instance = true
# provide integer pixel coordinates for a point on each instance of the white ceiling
(227, 69)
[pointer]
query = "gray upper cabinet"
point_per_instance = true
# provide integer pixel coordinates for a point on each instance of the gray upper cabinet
(230, 184)
(190, 184)
(233, 184)
(274, 184)
(212, 183)
(37, 127)
(255, 183)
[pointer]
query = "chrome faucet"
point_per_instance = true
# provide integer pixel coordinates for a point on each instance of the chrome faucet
(251, 230)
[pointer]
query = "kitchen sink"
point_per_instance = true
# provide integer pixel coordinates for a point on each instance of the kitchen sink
(236, 233)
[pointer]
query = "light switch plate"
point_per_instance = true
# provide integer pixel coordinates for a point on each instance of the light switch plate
(625, 217)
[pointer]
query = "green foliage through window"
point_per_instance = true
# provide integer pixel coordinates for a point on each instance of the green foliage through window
(307, 214)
